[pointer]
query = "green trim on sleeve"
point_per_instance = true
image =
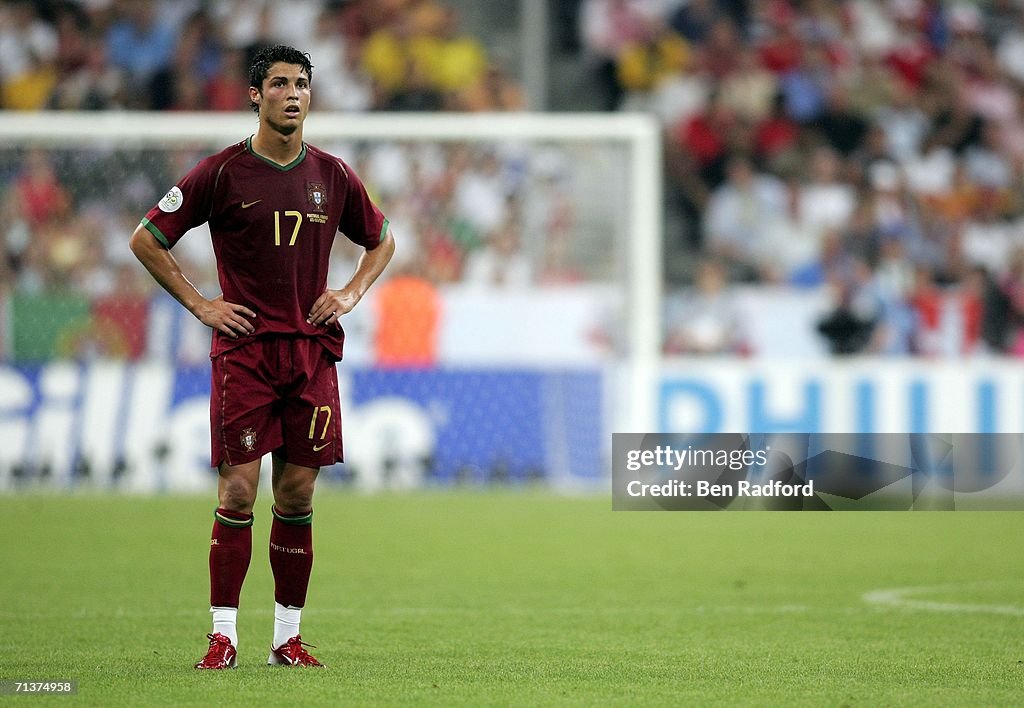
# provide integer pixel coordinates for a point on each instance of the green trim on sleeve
(157, 233)
(383, 230)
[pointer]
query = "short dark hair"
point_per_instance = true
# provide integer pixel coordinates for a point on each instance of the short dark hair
(267, 57)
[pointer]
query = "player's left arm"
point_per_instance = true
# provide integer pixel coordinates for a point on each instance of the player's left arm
(332, 304)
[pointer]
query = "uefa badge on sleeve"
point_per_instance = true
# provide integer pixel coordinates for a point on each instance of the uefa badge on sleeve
(172, 201)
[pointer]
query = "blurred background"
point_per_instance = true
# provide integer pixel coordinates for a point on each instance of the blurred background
(826, 237)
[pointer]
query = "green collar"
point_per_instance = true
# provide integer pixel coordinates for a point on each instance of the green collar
(283, 168)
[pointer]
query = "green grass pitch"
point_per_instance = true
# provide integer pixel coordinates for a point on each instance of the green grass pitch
(523, 598)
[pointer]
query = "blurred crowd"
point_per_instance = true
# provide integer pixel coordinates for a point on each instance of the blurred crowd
(193, 55)
(479, 215)
(461, 210)
(875, 147)
(871, 149)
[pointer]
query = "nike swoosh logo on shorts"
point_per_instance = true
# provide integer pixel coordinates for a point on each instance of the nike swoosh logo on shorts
(318, 448)
(246, 206)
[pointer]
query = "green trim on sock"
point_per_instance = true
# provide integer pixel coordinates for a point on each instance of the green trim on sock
(298, 520)
(233, 523)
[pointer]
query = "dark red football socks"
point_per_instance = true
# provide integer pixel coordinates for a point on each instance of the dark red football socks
(230, 552)
(291, 556)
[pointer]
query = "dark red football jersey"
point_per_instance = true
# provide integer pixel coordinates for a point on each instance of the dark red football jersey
(272, 227)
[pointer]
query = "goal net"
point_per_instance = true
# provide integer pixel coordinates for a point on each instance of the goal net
(521, 333)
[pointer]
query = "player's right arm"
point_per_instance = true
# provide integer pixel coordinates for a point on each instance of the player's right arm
(229, 318)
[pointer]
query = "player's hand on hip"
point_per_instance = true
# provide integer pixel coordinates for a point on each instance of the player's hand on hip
(330, 306)
(227, 317)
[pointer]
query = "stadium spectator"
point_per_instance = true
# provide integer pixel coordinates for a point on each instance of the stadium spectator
(950, 322)
(383, 57)
(1011, 284)
(607, 27)
(704, 319)
(874, 149)
(460, 61)
(954, 123)
(417, 92)
(999, 319)
(781, 48)
(29, 47)
(93, 86)
(838, 122)
(481, 194)
(646, 62)
(39, 191)
(495, 92)
(500, 262)
(738, 215)
(904, 123)
(1006, 31)
(706, 139)
(559, 266)
(848, 327)
(892, 283)
(720, 54)
(776, 138)
(910, 51)
(343, 88)
(805, 86)
(750, 90)
(408, 309)
(226, 89)
(790, 252)
(931, 171)
(693, 20)
(243, 23)
(895, 210)
(987, 163)
(988, 237)
(140, 44)
(30, 90)
(442, 255)
(826, 201)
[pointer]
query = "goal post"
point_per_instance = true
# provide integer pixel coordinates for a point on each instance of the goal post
(630, 169)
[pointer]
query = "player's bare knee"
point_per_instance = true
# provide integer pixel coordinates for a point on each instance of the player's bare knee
(237, 494)
(294, 497)
(293, 503)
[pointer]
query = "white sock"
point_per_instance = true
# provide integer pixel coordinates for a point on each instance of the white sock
(224, 622)
(286, 623)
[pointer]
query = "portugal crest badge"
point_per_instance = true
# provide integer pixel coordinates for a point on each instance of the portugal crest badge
(248, 439)
(317, 195)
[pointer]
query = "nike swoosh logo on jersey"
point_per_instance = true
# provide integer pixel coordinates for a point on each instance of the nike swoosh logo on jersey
(246, 206)
(318, 448)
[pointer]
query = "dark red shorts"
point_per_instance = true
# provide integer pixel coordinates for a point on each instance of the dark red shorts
(276, 394)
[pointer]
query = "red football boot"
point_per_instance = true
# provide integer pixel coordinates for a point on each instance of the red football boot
(293, 653)
(221, 654)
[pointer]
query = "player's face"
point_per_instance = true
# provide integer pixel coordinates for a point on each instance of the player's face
(284, 100)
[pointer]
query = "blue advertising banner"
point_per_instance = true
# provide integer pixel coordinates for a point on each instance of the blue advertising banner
(852, 396)
(145, 426)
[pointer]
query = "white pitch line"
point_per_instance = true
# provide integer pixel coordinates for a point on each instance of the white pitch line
(901, 597)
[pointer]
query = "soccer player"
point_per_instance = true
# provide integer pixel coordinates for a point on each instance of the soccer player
(274, 205)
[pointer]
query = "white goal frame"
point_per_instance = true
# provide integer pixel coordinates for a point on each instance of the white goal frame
(639, 132)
